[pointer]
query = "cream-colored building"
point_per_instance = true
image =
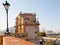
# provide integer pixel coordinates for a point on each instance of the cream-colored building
(27, 23)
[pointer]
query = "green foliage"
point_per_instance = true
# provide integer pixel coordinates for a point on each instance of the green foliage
(42, 34)
(49, 43)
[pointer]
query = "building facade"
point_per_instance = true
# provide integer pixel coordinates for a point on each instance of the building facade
(27, 23)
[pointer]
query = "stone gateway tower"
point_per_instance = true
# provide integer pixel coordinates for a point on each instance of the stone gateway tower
(27, 23)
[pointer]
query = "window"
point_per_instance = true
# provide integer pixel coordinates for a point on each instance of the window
(35, 31)
(22, 26)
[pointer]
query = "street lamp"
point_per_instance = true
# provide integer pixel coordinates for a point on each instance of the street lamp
(6, 6)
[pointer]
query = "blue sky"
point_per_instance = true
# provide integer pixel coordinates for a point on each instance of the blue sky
(47, 11)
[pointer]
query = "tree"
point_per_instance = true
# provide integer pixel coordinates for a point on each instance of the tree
(42, 34)
(49, 43)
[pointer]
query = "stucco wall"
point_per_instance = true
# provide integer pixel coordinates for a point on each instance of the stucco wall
(9, 40)
(1, 39)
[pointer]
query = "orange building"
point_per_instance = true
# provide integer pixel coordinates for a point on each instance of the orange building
(27, 23)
